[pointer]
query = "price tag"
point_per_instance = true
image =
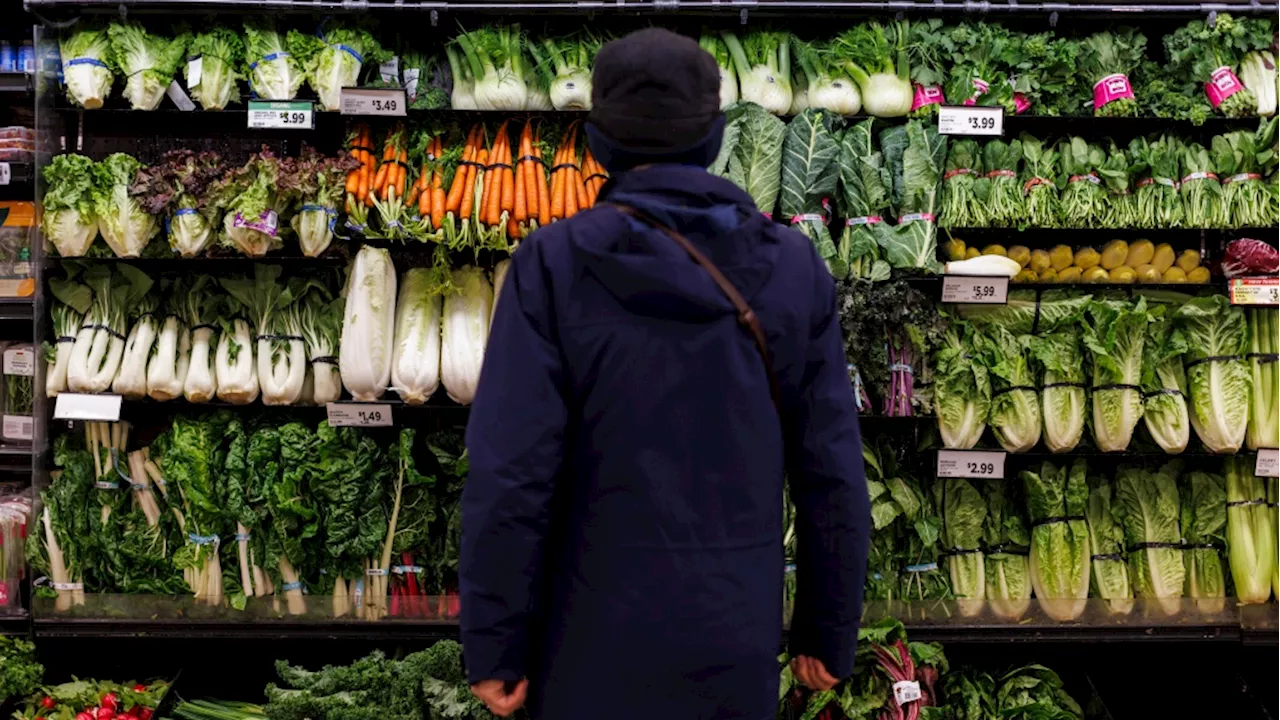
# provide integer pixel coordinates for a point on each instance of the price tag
(20, 361)
(970, 120)
(971, 464)
(1255, 291)
(1268, 464)
(973, 289)
(374, 101)
(195, 70)
(905, 691)
(359, 414)
(272, 115)
(5, 173)
(389, 71)
(77, 406)
(18, 427)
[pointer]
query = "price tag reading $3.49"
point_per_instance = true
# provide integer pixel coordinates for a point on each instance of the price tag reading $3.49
(971, 464)
(972, 289)
(359, 414)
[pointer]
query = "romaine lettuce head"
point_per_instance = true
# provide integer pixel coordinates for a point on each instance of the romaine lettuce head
(1218, 378)
(87, 66)
(334, 61)
(125, 226)
(274, 73)
(221, 53)
(147, 61)
(1115, 338)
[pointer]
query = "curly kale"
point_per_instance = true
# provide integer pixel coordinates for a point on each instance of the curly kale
(20, 674)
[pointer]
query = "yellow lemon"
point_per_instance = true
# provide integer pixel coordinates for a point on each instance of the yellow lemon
(995, 250)
(1094, 275)
(1020, 254)
(955, 249)
(1198, 275)
(1028, 276)
(1188, 260)
(1070, 275)
(1148, 274)
(1175, 275)
(1123, 275)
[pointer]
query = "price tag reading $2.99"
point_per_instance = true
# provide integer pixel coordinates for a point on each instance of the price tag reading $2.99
(971, 464)
(972, 289)
(359, 415)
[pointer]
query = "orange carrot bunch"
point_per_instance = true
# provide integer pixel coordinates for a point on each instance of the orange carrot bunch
(360, 180)
(389, 186)
(427, 192)
(595, 177)
(461, 200)
(533, 204)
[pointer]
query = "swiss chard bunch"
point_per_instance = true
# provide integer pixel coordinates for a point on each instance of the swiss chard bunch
(1039, 183)
(1210, 54)
(1106, 61)
(1003, 206)
(1083, 199)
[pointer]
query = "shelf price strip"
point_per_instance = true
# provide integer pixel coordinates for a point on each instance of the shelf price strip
(387, 102)
(270, 115)
(981, 464)
(356, 414)
(973, 289)
(970, 120)
(1268, 463)
(1255, 291)
(81, 406)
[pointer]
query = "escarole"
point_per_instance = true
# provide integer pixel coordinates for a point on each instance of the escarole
(368, 324)
(763, 62)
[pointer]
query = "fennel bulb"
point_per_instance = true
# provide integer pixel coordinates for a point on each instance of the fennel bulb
(87, 65)
(839, 95)
(321, 328)
(714, 46)
(69, 220)
(200, 315)
(234, 369)
(148, 62)
(569, 58)
(125, 226)
(131, 381)
(368, 325)
(496, 62)
(463, 96)
(877, 61)
(799, 101)
(415, 364)
(763, 63)
(572, 91)
(464, 334)
(167, 371)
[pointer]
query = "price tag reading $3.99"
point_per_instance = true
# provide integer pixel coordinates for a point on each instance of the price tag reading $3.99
(970, 120)
(271, 115)
(971, 464)
(972, 289)
(359, 414)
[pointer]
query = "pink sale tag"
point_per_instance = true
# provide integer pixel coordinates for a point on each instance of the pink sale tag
(1222, 84)
(1020, 104)
(931, 95)
(980, 88)
(1111, 88)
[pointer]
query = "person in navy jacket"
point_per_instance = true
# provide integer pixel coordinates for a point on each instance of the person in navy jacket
(622, 521)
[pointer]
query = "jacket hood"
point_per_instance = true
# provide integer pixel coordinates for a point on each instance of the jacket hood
(647, 271)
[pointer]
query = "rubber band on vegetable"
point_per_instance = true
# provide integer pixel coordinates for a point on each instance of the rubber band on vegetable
(1011, 388)
(1214, 358)
(1057, 519)
(110, 331)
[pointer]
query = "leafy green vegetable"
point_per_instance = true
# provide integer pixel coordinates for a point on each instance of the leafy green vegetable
(70, 219)
(1218, 377)
(810, 156)
(964, 189)
(962, 388)
(1146, 506)
(1202, 200)
(1164, 382)
(275, 72)
(1110, 576)
(1003, 205)
(87, 65)
(963, 515)
(20, 674)
(1251, 536)
(1204, 523)
(1115, 337)
(1084, 201)
(1035, 692)
(1263, 430)
(1062, 394)
(915, 154)
(148, 62)
(1198, 51)
(1104, 54)
(1040, 183)
(1059, 564)
(1006, 542)
(864, 195)
(1156, 200)
(751, 153)
(221, 53)
(1015, 412)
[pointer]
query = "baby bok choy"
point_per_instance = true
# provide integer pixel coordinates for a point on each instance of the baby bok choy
(281, 352)
(100, 343)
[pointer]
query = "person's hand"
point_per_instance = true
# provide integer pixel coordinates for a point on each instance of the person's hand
(494, 695)
(812, 673)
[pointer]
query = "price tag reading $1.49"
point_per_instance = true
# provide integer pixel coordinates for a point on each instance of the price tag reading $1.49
(359, 414)
(988, 464)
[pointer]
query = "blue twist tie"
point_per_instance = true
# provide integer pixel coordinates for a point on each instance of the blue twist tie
(86, 61)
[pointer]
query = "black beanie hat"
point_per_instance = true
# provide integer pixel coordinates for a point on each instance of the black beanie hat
(655, 92)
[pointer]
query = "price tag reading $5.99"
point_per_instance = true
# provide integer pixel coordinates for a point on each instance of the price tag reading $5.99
(972, 289)
(971, 464)
(359, 415)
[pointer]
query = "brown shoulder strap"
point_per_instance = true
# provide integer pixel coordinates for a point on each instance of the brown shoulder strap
(746, 316)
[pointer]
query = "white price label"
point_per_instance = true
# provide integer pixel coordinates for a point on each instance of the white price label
(970, 120)
(1255, 291)
(971, 463)
(359, 414)
(270, 115)
(374, 101)
(5, 173)
(78, 406)
(1268, 463)
(20, 361)
(389, 71)
(411, 83)
(972, 289)
(18, 427)
(905, 691)
(195, 70)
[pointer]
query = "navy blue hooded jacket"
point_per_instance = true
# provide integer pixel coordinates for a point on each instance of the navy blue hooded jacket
(622, 520)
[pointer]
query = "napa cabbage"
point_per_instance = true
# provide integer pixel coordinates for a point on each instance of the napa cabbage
(464, 333)
(415, 365)
(1218, 378)
(368, 325)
